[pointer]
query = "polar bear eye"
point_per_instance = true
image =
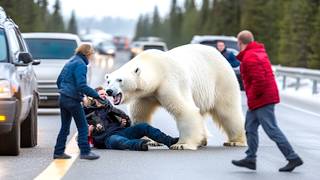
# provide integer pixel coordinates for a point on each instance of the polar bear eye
(137, 71)
(119, 80)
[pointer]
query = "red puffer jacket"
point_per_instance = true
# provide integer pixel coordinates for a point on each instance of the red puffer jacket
(257, 76)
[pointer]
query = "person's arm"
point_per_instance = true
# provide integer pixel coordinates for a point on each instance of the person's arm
(119, 113)
(80, 75)
(233, 60)
(59, 81)
(254, 75)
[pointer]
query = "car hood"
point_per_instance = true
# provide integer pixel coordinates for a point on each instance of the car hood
(49, 69)
(6, 70)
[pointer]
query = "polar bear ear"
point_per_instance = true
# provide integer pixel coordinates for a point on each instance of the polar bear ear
(137, 71)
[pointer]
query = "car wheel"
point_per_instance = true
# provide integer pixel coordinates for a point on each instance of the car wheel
(29, 127)
(11, 141)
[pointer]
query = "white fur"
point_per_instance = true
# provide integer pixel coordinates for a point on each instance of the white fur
(189, 81)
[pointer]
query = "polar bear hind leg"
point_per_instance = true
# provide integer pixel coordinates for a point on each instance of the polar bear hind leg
(232, 126)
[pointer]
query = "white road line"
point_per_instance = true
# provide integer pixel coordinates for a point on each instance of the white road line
(300, 109)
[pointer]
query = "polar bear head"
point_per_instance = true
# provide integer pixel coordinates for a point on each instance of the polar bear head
(138, 78)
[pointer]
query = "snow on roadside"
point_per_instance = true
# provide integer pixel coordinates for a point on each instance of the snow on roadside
(304, 91)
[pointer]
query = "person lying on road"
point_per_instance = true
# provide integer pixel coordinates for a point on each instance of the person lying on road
(111, 128)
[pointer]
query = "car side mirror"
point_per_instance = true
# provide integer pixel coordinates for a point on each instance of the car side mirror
(36, 62)
(25, 57)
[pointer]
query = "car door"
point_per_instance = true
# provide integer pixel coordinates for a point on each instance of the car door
(22, 72)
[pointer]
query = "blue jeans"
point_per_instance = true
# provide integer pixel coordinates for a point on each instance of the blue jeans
(129, 138)
(71, 108)
(265, 117)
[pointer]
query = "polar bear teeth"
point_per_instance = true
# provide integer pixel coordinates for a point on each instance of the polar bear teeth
(117, 99)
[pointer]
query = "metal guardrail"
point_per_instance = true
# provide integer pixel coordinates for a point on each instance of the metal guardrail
(298, 74)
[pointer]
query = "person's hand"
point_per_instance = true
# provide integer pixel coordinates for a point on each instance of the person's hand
(99, 127)
(123, 122)
(91, 127)
(104, 102)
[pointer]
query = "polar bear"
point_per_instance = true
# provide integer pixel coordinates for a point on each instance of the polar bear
(190, 82)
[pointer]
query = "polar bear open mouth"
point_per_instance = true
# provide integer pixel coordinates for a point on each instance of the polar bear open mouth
(117, 99)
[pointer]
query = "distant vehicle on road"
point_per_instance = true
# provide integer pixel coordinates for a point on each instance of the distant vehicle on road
(139, 46)
(229, 41)
(211, 40)
(121, 43)
(54, 49)
(106, 48)
(18, 90)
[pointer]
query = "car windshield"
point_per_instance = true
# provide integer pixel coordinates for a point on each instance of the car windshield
(51, 48)
(3, 47)
(229, 44)
(153, 47)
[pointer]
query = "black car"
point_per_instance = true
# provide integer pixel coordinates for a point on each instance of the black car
(18, 90)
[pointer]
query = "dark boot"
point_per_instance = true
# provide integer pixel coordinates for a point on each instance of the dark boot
(61, 156)
(250, 164)
(89, 156)
(144, 145)
(291, 165)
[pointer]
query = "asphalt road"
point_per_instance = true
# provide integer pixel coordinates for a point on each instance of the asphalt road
(299, 120)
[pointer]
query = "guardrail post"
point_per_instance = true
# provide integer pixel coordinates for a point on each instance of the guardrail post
(314, 87)
(284, 82)
(298, 83)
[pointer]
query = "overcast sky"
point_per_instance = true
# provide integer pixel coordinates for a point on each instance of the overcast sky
(116, 8)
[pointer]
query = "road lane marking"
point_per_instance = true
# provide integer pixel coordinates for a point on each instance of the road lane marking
(59, 167)
(300, 109)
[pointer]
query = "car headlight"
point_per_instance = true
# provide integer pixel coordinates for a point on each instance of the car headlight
(136, 50)
(110, 51)
(5, 89)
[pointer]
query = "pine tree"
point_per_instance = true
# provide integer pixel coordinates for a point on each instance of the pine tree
(72, 26)
(224, 17)
(175, 20)
(203, 16)
(314, 57)
(295, 32)
(156, 22)
(56, 23)
(43, 15)
(190, 25)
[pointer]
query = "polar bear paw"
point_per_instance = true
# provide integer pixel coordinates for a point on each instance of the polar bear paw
(183, 146)
(234, 144)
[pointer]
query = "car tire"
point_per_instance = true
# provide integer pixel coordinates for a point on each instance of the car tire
(29, 127)
(11, 147)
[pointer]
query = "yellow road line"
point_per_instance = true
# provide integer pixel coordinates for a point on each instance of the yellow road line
(59, 167)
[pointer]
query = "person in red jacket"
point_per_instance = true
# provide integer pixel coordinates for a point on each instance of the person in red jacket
(262, 95)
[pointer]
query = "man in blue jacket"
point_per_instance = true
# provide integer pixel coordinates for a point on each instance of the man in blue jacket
(72, 85)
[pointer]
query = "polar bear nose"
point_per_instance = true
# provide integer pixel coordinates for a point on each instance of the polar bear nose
(109, 92)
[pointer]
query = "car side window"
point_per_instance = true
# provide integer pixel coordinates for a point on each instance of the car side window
(20, 41)
(13, 41)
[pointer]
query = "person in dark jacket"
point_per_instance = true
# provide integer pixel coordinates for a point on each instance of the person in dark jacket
(72, 85)
(262, 95)
(113, 131)
(231, 58)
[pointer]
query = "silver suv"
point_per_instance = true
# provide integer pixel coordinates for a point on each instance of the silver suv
(230, 42)
(18, 90)
(54, 50)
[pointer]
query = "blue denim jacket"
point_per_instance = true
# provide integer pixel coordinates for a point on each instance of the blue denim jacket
(72, 81)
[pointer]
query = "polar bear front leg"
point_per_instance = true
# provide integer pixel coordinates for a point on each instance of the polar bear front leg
(189, 121)
(141, 110)
(190, 126)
